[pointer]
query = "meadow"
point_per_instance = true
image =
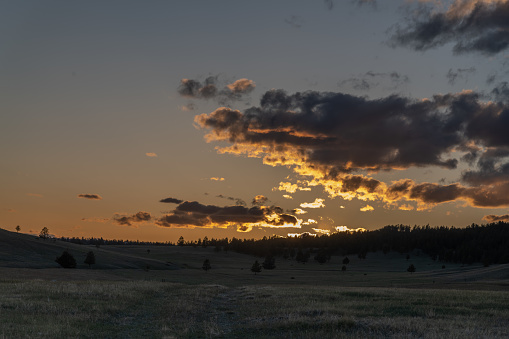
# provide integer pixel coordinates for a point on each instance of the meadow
(162, 292)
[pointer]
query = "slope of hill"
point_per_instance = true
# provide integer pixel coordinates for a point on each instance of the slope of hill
(27, 251)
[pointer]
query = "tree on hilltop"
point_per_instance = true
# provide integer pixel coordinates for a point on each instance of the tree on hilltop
(18, 228)
(44, 233)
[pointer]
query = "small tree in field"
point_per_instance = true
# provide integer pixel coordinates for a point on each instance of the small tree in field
(256, 268)
(206, 265)
(346, 261)
(269, 263)
(18, 228)
(44, 233)
(411, 268)
(90, 259)
(343, 268)
(66, 260)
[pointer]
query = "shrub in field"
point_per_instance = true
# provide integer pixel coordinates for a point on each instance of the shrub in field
(269, 263)
(411, 268)
(90, 259)
(66, 260)
(343, 268)
(256, 268)
(206, 265)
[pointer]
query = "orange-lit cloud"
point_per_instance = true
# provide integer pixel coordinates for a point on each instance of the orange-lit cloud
(259, 200)
(90, 196)
(367, 208)
(318, 203)
(192, 214)
(37, 195)
(151, 155)
(242, 86)
(321, 231)
(11, 210)
(217, 179)
(299, 211)
(496, 218)
(286, 196)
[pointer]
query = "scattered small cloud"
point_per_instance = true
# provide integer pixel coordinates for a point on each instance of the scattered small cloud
(346, 229)
(210, 88)
(286, 196)
(406, 207)
(100, 220)
(299, 211)
(129, 220)
(460, 73)
(217, 179)
(37, 195)
(496, 218)
(188, 107)
(367, 208)
(295, 21)
(259, 200)
(90, 196)
(11, 210)
(151, 155)
(290, 188)
(370, 80)
(321, 231)
(318, 203)
(171, 201)
(238, 201)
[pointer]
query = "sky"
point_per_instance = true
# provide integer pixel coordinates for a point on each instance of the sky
(159, 119)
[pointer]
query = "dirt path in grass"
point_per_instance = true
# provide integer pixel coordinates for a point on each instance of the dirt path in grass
(223, 317)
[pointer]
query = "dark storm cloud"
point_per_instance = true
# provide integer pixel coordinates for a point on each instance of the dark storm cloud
(472, 25)
(131, 219)
(171, 200)
(496, 218)
(195, 214)
(211, 89)
(329, 136)
(370, 79)
(90, 196)
(460, 73)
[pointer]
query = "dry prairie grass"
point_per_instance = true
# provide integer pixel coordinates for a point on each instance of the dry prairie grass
(144, 309)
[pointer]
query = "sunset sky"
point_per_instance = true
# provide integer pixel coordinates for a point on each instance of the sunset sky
(154, 119)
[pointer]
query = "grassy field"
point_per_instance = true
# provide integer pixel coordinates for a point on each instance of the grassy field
(163, 293)
(133, 309)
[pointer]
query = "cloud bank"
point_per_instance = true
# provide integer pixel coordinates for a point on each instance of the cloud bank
(194, 214)
(336, 140)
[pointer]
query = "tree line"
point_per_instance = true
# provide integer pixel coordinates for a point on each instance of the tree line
(488, 244)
